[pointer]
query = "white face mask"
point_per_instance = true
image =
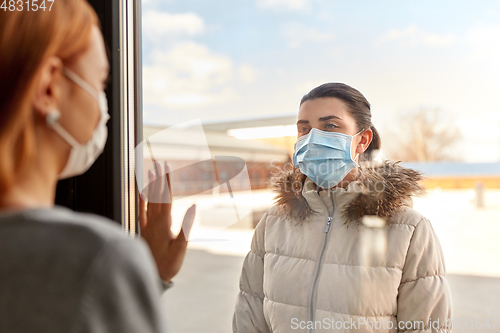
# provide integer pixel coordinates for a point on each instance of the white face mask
(82, 156)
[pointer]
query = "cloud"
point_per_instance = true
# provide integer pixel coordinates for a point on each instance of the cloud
(190, 75)
(413, 36)
(284, 5)
(297, 33)
(195, 60)
(484, 42)
(248, 74)
(159, 24)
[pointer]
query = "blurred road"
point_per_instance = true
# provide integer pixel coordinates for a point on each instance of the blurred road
(202, 299)
(204, 294)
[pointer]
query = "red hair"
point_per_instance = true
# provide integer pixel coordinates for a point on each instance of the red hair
(27, 39)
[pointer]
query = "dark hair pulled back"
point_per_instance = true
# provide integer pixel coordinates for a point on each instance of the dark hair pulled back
(357, 105)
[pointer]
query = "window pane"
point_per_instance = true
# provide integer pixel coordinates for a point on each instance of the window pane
(222, 82)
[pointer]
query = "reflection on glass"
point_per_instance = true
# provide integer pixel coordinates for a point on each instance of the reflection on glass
(241, 69)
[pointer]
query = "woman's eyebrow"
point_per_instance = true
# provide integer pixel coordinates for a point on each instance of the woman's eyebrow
(328, 118)
(300, 121)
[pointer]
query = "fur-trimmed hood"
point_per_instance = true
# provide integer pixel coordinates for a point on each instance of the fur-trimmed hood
(381, 189)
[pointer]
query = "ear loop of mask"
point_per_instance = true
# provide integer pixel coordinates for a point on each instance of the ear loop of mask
(53, 117)
(82, 83)
(99, 96)
(52, 121)
(355, 157)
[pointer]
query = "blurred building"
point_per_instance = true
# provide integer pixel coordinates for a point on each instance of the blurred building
(280, 131)
(227, 156)
(458, 175)
(265, 144)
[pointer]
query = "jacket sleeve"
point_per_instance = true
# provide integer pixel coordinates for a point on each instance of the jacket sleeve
(248, 313)
(122, 291)
(424, 298)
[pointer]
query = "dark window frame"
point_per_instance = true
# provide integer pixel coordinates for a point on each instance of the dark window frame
(108, 188)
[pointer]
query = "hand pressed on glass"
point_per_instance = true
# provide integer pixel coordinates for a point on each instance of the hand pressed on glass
(156, 222)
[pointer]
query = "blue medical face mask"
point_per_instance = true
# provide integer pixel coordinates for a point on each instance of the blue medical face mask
(324, 157)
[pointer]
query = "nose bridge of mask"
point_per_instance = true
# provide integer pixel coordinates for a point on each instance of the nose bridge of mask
(325, 138)
(319, 137)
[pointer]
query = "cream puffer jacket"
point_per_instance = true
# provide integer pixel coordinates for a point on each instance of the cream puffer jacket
(355, 259)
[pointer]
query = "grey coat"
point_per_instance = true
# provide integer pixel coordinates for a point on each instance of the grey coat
(66, 272)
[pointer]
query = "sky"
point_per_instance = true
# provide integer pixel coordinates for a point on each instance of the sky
(225, 60)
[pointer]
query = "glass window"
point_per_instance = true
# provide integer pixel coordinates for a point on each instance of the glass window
(222, 81)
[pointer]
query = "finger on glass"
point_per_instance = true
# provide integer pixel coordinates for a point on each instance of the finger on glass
(167, 191)
(187, 223)
(142, 212)
(151, 186)
(159, 184)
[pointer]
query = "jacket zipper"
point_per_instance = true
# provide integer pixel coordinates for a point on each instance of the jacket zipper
(319, 265)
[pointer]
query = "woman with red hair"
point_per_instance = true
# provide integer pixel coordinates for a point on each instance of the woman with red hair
(62, 271)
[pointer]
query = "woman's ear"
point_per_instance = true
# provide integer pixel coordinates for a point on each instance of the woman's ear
(365, 138)
(48, 88)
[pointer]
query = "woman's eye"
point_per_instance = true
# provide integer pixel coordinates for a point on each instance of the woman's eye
(330, 126)
(304, 130)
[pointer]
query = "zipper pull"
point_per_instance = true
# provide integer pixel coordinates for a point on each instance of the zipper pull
(328, 224)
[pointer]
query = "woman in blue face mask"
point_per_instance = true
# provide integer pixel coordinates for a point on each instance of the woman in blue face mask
(342, 249)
